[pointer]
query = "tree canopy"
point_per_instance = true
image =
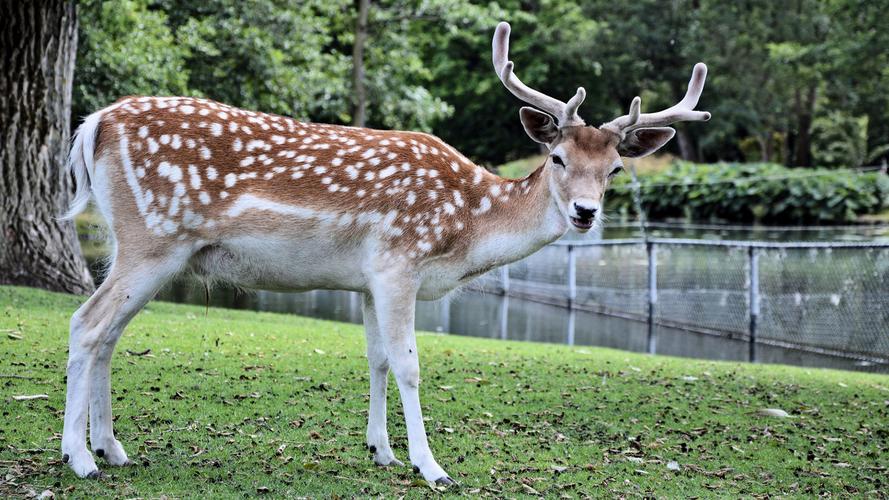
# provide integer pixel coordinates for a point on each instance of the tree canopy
(802, 81)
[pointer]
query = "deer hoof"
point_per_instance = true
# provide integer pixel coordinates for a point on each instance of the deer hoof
(446, 481)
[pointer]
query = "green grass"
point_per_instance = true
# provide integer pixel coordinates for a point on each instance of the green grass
(239, 403)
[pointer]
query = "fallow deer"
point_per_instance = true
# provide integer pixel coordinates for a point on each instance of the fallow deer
(267, 202)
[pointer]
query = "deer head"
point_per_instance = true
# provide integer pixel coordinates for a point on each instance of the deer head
(583, 159)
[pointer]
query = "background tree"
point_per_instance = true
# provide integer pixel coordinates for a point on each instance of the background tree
(776, 68)
(38, 46)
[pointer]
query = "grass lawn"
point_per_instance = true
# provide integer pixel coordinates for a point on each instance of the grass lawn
(242, 403)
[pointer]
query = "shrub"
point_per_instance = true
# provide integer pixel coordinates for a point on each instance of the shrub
(754, 192)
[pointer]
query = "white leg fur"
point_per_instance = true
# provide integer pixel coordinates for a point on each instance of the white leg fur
(395, 303)
(377, 433)
(95, 329)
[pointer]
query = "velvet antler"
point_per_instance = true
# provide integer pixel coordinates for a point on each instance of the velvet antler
(565, 113)
(683, 111)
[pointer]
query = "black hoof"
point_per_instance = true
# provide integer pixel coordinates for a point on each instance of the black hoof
(100, 453)
(93, 475)
(445, 481)
(416, 470)
(128, 463)
(372, 448)
(65, 458)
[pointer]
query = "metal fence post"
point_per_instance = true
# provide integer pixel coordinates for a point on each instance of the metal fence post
(651, 249)
(753, 299)
(503, 317)
(445, 317)
(572, 275)
(504, 279)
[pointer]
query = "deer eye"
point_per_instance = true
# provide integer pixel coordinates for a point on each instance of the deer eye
(616, 170)
(558, 160)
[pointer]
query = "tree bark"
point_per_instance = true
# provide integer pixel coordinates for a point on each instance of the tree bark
(359, 92)
(38, 44)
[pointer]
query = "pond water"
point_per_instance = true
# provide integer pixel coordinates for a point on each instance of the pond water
(494, 316)
(478, 314)
(859, 232)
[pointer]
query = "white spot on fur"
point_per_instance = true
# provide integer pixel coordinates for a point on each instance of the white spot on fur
(483, 206)
(230, 180)
(386, 172)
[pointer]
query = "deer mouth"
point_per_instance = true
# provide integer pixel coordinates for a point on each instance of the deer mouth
(583, 224)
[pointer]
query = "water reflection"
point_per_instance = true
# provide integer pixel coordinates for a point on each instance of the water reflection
(488, 315)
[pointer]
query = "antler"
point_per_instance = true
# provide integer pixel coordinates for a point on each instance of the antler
(683, 111)
(566, 114)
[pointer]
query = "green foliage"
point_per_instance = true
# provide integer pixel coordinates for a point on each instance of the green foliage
(765, 193)
(125, 49)
(428, 66)
(841, 139)
(267, 55)
(230, 404)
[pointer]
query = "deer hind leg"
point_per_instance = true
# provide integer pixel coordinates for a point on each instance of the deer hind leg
(95, 329)
(395, 303)
(377, 433)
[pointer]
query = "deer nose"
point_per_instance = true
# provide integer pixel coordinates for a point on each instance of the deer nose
(584, 212)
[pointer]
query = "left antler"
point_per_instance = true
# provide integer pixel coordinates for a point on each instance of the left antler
(683, 111)
(566, 114)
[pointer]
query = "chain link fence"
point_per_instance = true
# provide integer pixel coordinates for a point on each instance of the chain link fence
(830, 298)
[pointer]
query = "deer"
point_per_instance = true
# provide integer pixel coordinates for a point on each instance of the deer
(267, 202)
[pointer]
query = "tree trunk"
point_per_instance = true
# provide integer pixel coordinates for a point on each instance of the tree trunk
(38, 45)
(687, 149)
(359, 92)
(802, 151)
(765, 147)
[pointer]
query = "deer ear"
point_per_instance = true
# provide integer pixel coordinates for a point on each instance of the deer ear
(538, 125)
(644, 141)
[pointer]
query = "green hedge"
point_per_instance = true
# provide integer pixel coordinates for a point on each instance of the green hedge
(761, 192)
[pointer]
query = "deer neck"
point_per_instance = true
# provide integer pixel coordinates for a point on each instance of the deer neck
(524, 217)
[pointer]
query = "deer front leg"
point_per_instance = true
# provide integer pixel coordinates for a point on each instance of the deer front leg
(394, 302)
(377, 433)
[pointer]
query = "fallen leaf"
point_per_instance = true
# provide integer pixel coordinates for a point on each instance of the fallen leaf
(773, 412)
(529, 490)
(29, 398)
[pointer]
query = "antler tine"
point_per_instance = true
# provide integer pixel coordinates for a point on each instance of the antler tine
(682, 111)
(566, 114)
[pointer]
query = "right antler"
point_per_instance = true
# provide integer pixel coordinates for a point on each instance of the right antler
(683, 111)
(566, 114)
